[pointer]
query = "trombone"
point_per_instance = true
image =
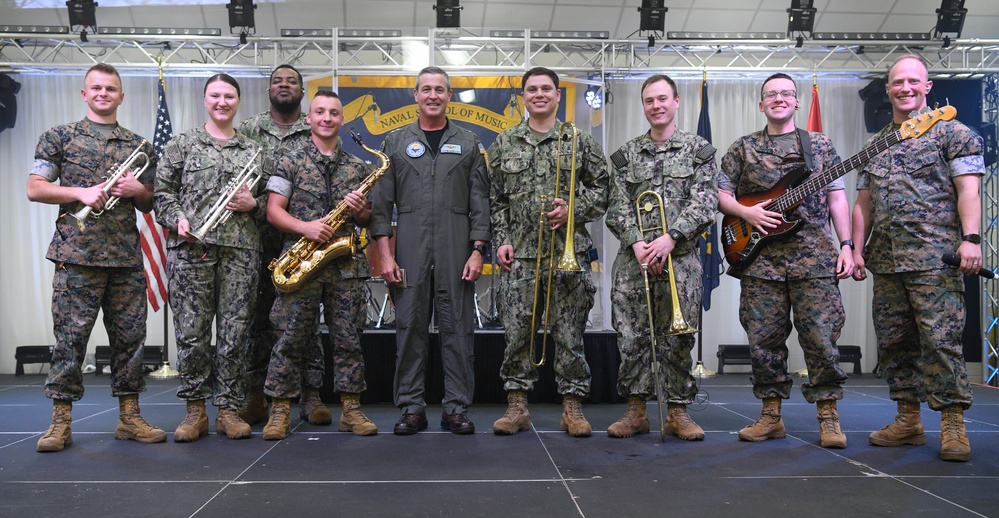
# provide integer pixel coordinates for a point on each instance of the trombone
(112, 179)
(218, 215)
(567, 262)
(678, 325)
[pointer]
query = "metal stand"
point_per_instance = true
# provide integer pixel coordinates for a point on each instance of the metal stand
(166, 371)
(699, 370)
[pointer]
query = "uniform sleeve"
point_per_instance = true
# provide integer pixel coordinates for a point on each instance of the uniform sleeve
(48, 156)
(702, 208)
(383, 196)
(731, 169)
(621, 218)
(166, 194)
(591, 197)
(499, 206)
(478, 203)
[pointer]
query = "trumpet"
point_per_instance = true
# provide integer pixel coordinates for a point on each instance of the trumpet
(218, 214)
(567, 261)
(306, 258)
(112, 179)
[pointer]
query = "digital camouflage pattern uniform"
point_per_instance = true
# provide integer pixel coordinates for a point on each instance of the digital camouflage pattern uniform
(683, 172)
(99, 268)
(797, 273)
(274, 143)
(443, 207)
(918, 303)
(521, 169)
(216, 278)
(314, 184)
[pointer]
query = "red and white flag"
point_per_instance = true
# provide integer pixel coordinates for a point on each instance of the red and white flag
(814, 113)
(153, 237)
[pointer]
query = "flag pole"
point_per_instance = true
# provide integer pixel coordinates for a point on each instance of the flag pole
(166, 371)
(700, 370)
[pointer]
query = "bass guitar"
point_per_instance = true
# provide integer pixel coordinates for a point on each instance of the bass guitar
(741, 242)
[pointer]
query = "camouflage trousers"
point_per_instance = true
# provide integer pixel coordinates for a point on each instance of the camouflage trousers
(453, 312)
(78, 293)
(263, 336)
(765, 309)
(295, 316)
(571, 301)
(630, 315)
(919, 320)
(212, 283)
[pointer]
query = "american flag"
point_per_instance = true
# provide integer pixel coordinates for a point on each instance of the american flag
(153, 236)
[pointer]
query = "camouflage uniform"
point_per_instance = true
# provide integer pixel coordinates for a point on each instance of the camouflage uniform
(918, 303)
(521, 169)
(440, 218)
(302, 177)
(796, 273)
(684, 173)
(216, 277)
(96, 269)
(274, 144)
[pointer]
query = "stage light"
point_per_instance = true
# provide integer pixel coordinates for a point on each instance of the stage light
(950, 19)
(159, 31)
(800, 18)
(594, 98)
(241, 18)
(8, 103)
(707, 35)
(547, 35)
(652, 18)
(34, 29)
(448, 13)
(871, 36)
(83, 14)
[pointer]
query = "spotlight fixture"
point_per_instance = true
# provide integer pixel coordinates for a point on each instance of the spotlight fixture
(801, 19)
(950, 19)
(594, 97)
(82, 14)
(652, 18)
(241, 18)
(448, 13)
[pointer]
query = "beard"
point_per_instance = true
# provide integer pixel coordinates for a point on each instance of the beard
(287, 106)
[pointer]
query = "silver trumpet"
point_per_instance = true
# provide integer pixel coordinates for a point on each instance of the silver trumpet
(113, 178)
(218, 214)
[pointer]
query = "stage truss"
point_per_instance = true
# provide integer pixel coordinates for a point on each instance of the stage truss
(464, 52)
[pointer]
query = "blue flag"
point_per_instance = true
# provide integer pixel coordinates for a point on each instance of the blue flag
(707, 243)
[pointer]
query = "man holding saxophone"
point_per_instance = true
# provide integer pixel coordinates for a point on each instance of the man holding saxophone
(680, 168)
(306, 186)
(522, 167)
(98, 263)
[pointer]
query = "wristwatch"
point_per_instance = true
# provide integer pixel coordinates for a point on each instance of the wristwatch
(972, 238)
(482, 249)
(846, 242)
(675, 234)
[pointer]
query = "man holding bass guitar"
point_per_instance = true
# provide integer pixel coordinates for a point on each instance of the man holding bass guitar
(799, 272)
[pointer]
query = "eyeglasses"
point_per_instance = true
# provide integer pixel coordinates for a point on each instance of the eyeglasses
(770, 95)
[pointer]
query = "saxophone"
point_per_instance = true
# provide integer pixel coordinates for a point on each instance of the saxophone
(306, 257)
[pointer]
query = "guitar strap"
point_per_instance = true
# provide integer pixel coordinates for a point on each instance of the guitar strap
(806, 148)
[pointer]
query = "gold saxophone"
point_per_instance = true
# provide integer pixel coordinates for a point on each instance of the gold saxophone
(306, 257)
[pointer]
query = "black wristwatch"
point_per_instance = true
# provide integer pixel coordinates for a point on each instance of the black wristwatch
(482, 249)
(846, 242)
(972, 238)
(675, 234)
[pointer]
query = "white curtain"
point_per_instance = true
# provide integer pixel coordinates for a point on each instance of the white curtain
(47, 100)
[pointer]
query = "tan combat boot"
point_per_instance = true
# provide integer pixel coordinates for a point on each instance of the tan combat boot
(516, 418)
(830, 433)
(680, 425)
(907, 428)
(229, 423)
(768, 426)
(59, 434)
(131, 425)
(634, 421)
(351, 417)
(312, 409)
(954, 443)
(254, 408)
(195, 424)
(573, 420)
(279, 425)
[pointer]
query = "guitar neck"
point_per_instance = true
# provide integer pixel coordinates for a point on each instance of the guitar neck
(795, 195)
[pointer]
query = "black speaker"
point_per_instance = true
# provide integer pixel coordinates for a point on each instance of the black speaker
(988, 133)
(8, 103)
(877, 108)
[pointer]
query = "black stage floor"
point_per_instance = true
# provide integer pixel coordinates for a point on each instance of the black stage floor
(543, 472)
